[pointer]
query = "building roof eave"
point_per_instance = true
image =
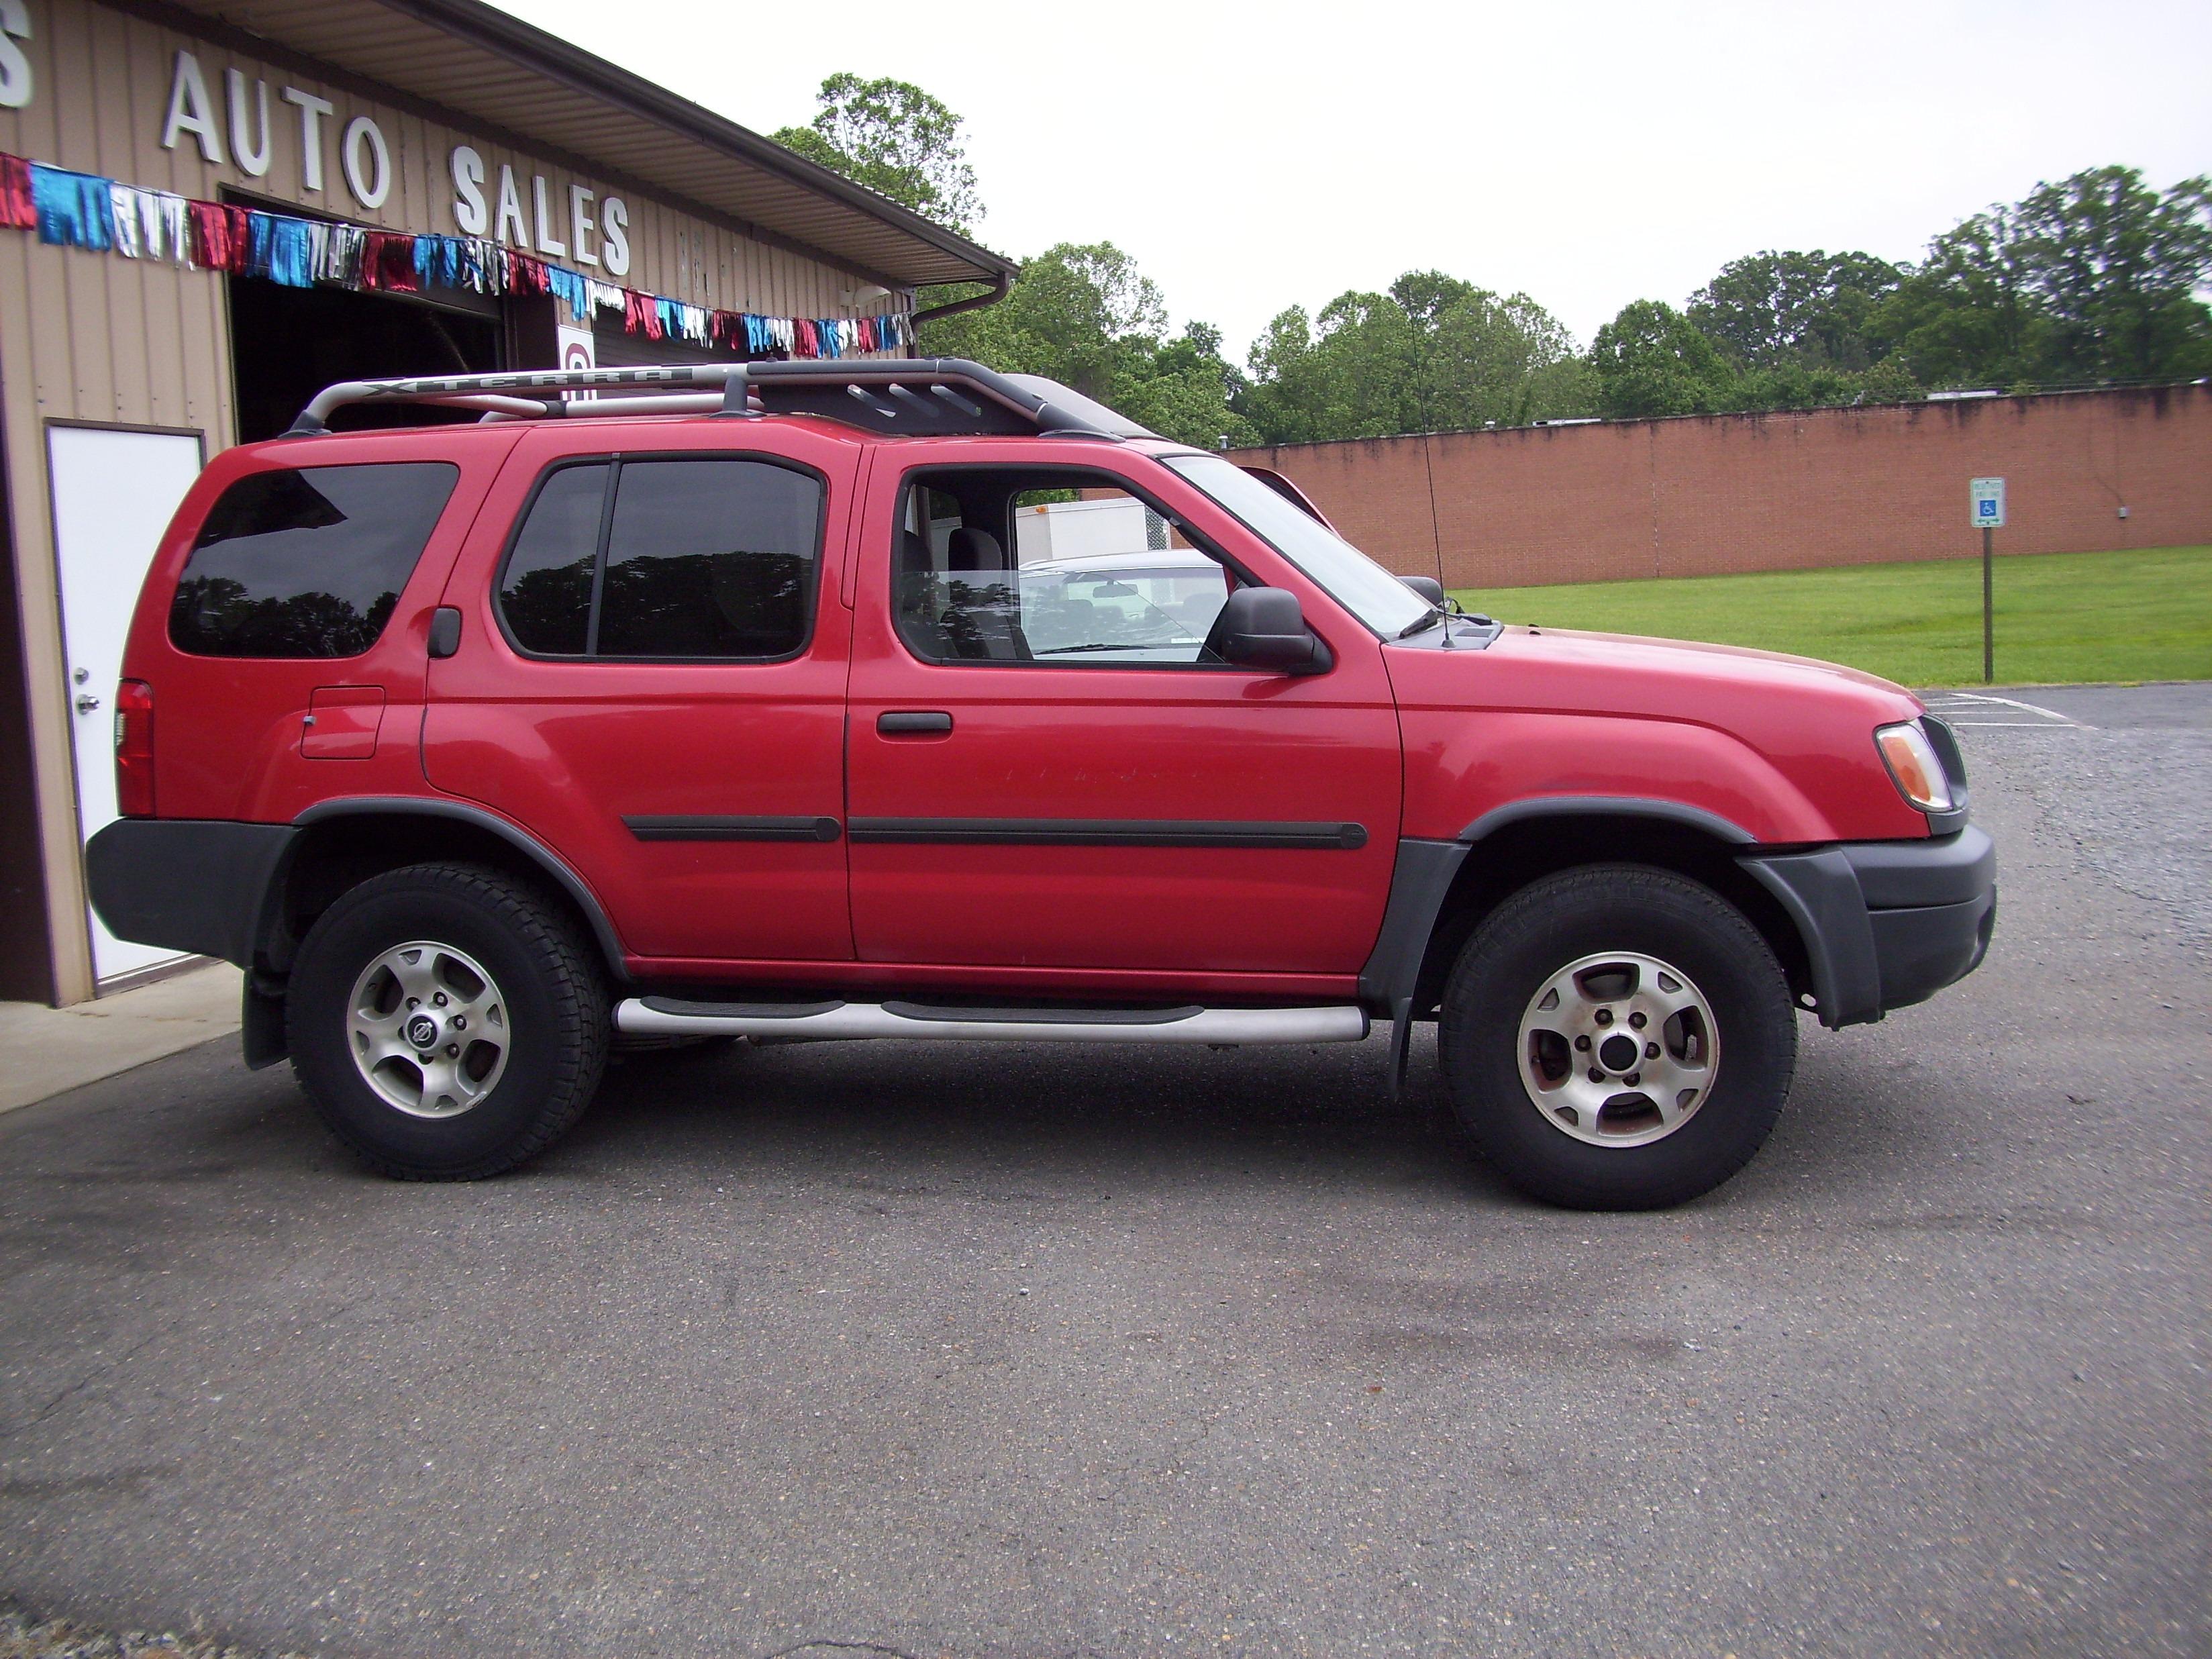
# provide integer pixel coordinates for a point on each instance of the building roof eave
(496, 70)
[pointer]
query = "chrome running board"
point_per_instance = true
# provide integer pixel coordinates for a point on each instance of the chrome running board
(946, 1022)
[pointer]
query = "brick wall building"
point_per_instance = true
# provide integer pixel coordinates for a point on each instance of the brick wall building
(1709, 495)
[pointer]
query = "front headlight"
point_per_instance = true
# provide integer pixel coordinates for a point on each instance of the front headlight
(1913, 766)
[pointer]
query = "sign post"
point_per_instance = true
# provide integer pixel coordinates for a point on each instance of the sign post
(1987, 496)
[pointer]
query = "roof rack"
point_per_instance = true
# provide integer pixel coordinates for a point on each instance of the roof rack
(927, 396)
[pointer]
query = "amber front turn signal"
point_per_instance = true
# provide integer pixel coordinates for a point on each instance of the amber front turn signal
(1912, 764)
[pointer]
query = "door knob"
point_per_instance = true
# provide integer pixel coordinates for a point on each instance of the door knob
(86, 703)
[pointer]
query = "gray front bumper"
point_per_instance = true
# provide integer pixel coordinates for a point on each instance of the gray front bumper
(1886, 923)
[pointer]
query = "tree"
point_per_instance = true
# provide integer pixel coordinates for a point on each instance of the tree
(1284, 396)
(1073, 316)
(895, 139)
(1501, 361)
(1434, 354)
(1651, 360)
(1085, 316)
(1967, 316)
(2116, 270)
(1808, 311)
(2095, 277)
(1184, 390)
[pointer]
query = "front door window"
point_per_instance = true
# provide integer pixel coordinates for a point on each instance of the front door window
(1014, 565)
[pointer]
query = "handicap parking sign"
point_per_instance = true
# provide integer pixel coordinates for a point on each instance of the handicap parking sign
(1988, 495)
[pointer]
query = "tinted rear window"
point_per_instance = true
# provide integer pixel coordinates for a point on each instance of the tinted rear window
(707, 558)
(547, 591)
(306, 561)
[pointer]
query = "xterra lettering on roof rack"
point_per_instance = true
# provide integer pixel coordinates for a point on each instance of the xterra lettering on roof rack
(933, 397)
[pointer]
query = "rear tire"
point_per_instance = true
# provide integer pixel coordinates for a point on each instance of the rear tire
(447, 1021)
(1568, 1100)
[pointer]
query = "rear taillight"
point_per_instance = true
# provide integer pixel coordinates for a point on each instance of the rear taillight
(134, 749)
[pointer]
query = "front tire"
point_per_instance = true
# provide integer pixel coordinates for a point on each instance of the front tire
(1616, 1038)
(447, 1021)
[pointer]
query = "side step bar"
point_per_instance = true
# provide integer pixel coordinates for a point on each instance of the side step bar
(942, 1022)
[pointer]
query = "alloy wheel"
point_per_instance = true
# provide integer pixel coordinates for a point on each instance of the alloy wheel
(1618, 1049)
(428, 1029)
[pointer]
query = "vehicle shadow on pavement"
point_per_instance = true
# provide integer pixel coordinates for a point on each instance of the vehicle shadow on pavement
(1066, 1115)
(1034, 1119)
(1051, 1112)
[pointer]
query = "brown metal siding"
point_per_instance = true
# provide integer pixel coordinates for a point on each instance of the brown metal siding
(89, 337)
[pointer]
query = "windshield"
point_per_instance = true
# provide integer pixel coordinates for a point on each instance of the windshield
(1354, 580)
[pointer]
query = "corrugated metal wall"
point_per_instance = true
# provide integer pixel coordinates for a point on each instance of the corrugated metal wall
(95, 336)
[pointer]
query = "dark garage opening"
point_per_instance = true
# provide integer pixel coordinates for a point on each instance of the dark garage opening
(287, 344)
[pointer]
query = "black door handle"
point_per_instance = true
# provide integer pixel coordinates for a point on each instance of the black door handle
(913, 721)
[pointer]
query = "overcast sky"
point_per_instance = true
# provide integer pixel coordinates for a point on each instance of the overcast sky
(1255, 157)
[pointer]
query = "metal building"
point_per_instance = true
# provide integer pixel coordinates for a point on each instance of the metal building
(581, 212)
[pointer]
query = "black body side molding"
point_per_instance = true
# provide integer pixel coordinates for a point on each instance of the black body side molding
(705, 828)
(1105, 832)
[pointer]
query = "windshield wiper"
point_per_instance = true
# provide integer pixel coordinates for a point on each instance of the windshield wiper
(1429, 620)
(1112, 644)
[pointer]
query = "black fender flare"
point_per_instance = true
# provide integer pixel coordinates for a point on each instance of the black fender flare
(547, 861)
(1422, 878)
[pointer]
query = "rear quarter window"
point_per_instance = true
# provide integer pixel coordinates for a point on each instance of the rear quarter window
(306, 561)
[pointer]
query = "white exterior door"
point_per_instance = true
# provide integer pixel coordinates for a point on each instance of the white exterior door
(113, 495)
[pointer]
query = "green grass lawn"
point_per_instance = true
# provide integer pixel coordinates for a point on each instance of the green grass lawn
(2060, 616)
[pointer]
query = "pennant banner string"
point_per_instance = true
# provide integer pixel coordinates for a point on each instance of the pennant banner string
(80, 209)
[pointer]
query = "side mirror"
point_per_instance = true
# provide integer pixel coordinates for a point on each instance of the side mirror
(1428, 588)
(1264, 628)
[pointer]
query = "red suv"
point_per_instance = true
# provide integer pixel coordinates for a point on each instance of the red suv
(806, 701)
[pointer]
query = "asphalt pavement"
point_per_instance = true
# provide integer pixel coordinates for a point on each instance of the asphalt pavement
(926, 1349)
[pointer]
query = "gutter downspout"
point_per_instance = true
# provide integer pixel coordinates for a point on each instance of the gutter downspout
(997, 291)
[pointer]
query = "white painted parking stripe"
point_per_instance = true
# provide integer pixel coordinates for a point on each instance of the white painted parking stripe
(2051, 717)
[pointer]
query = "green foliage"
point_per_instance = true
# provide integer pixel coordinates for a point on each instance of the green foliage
(1651, 360)
(1890, 381)
(1434, 354)
(1072, 316)
(1808, 311)
(2093, 278)
(1184, 390)
(1086, 317)
(895, 139)
(2060, 616)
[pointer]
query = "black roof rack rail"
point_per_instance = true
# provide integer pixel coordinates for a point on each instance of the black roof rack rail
(927, 396)
(508, 394)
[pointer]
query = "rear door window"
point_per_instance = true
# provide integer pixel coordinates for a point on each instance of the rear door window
(546, 593)
(709, 558)
(306, 561)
